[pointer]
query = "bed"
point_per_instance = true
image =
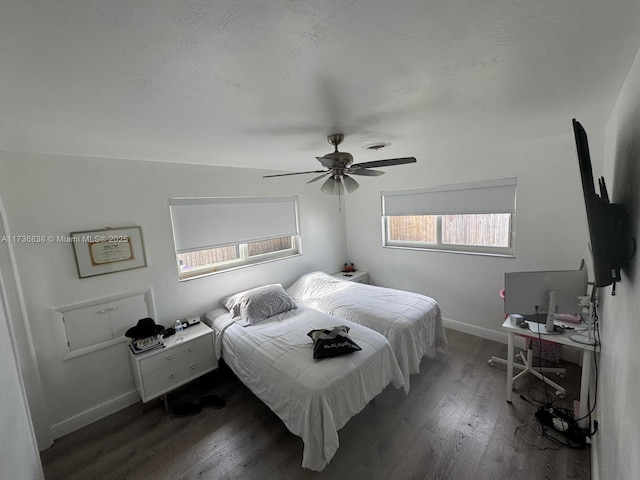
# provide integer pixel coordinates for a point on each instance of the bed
(314, 398)
(410, 321)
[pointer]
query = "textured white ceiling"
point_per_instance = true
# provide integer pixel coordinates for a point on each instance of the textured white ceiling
(261, 83)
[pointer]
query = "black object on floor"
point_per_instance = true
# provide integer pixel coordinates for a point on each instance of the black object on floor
(213, 401)
(186, 409)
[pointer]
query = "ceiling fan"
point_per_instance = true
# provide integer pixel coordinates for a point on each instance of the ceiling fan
(339, 168)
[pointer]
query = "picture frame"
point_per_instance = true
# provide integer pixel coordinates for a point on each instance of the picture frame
(108, 250)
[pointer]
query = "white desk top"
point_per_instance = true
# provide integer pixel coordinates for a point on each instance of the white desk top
(537, 330)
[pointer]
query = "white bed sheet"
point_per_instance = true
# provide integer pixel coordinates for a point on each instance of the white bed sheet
(410, 321)
(314, 398)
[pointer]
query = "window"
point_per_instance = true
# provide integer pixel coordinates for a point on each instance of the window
(217, 234)
(466, 218)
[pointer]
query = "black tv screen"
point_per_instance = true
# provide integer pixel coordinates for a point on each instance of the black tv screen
(608, 223)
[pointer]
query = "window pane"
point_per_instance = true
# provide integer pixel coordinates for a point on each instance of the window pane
(413, 228)
(269, 246)
(204, 258)
(487, 230)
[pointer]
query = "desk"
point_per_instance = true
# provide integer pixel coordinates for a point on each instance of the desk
(563, 339)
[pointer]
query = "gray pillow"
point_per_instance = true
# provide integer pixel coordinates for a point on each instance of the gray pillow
(253, 306)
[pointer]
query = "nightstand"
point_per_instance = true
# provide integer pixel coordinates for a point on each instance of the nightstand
(159, 371)
(359, 276)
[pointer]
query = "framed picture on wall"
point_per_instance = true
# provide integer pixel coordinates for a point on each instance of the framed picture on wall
(108, 250)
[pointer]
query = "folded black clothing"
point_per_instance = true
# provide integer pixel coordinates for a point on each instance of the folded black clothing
(212, 401)
(331, 342)
(186, 409)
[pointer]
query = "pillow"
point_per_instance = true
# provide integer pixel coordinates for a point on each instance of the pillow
(332, 342)
(253, 306)
(231, 307)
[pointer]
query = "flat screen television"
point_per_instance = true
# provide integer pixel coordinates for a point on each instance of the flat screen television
(611, 244)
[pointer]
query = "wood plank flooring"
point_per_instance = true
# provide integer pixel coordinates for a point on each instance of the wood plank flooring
(454, 424)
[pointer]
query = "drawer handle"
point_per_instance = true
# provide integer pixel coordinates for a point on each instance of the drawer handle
(191, 349)
(193, 367)
(172, 376)
(108, 309)
(169, 357)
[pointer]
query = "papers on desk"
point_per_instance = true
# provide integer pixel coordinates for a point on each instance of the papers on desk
(559, 329)
(568, 318)
(541, 328)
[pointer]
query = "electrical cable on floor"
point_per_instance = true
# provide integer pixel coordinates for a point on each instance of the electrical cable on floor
(544, 401)
(549, 400)
(548, 397)
(596, 330)
(558, 424)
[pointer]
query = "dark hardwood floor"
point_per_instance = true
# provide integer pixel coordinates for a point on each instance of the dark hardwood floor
(454, 424)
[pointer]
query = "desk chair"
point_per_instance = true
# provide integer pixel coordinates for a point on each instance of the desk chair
(526, 357)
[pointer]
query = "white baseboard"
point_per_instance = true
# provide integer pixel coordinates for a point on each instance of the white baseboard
(568, 354)
(474, 330)
(94, 414)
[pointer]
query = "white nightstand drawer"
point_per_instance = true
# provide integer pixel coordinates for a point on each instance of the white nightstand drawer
(179, 372)
(159, 371)
(168, 356)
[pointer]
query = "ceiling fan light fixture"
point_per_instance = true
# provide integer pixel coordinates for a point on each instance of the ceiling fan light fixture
(349, 183)
(338, 164)
(328, 186)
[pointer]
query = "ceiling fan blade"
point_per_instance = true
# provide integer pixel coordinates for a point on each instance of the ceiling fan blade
(385, 163)
(366, 172)
(315, 179)
(326, 162)
(349, 183)
(294, 173)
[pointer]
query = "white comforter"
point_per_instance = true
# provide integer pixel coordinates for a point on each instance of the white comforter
(314, 398)
(411, 322)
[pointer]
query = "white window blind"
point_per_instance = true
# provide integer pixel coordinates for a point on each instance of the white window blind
(491, 196)
(202, 223)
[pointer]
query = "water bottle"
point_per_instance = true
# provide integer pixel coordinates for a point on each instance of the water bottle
(179, 331)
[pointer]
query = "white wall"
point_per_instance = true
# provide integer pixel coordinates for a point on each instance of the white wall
(56, 195)
(22, 339)
(618, 440)
(18, 452)
(551, 227)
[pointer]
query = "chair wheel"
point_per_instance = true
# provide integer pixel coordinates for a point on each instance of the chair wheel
(491, 362)
(559, 394)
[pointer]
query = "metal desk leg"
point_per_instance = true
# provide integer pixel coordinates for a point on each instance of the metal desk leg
(587, 359)
(509, 367)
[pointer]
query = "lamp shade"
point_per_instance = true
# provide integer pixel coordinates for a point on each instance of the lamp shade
(349, 183)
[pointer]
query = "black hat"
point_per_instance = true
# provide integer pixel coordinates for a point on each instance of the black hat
(146, 327)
